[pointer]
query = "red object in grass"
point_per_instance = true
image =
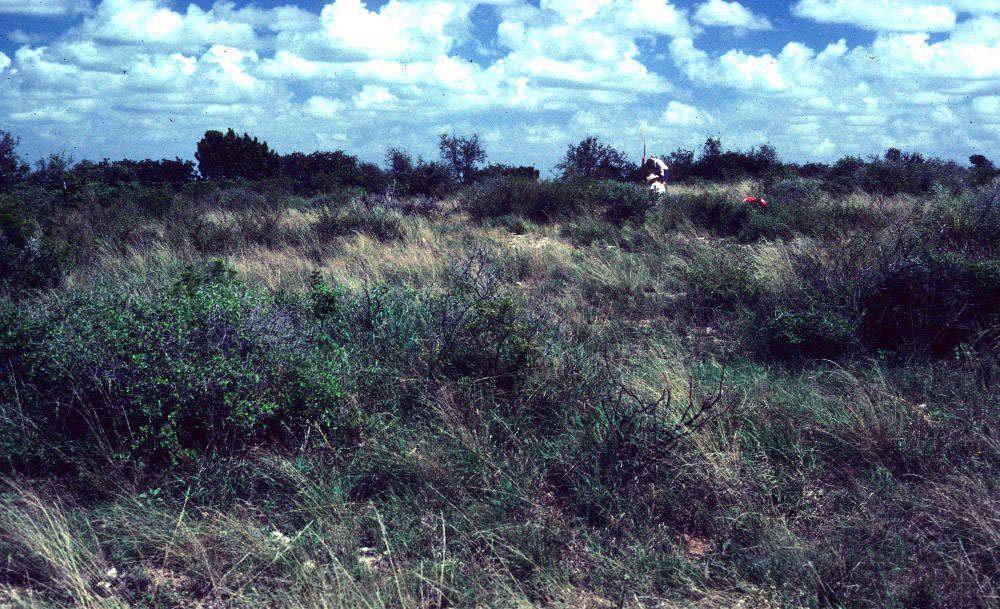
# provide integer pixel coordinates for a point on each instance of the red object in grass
(755, 201)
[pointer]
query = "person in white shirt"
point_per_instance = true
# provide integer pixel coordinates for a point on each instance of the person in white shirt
(655, 172)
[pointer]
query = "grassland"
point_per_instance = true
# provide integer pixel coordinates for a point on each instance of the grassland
(529, 394)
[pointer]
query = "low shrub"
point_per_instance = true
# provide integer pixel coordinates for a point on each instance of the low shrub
(765, 224)
(621, 202)
(810, 331)
(203, 366)
(540, 201)
(723, 213)
(29, 259)
(479, 328)
(375, 217)
(932, 302)
(716, 283)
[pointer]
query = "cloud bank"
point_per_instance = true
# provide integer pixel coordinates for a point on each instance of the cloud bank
(138, 78)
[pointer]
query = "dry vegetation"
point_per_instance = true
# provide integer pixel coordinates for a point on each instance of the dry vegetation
(392, 403)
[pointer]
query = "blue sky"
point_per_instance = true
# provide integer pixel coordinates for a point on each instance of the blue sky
(817, 79)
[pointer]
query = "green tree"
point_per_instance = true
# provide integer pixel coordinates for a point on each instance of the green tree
(593, 159)
(233, 156)
(461, 155)
(12, 168)
(983, 171)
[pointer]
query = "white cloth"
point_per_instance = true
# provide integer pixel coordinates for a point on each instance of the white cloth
(654, 169)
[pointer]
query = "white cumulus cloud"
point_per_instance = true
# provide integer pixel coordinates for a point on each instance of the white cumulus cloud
(883, 15)
(150, 22)
(730, 14)
(399, 29)
(44, 8)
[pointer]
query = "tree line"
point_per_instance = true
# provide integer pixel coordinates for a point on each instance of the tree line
(462, 162)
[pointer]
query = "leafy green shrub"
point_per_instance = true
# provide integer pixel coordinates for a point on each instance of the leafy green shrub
(233, 156)
(817, 314)
(811, 331)
(765, 224)
(592, 159)
(479, 328)
(155, 200)
(203, 366)
(896, 172)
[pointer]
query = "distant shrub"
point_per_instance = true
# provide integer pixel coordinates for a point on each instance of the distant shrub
(372, 216)
(406, 176)
(538, 200)
(497, 170)
(203, 366)
(897, 172)
(592, 159)
(621, 202)
(233, 156)
(29, 259)
(324, 172)
(12, 168)
(461, 155)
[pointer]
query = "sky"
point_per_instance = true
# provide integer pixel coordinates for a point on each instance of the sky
(816, 79)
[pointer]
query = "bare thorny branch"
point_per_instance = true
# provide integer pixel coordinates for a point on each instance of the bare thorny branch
(641, 426)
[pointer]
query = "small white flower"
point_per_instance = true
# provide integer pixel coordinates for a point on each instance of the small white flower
(111, 573)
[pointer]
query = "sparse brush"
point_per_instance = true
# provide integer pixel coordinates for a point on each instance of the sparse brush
(386, 401)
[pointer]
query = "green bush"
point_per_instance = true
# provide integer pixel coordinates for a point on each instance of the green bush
(538, 200)
(812, 332)
(932, 302)
(29, 259)
(621, 202)
(203, 366)
(716, 283)
(720, 212)
(764, 224)
(479, 328)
